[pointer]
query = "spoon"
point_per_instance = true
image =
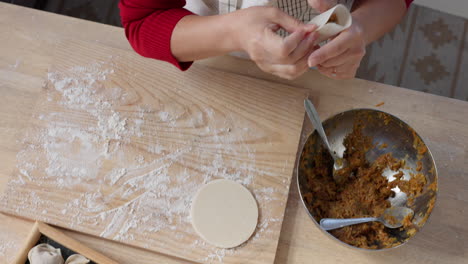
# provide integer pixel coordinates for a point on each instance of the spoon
(392, 218)
(339, 163)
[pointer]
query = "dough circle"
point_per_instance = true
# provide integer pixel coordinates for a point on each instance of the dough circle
(224, 213)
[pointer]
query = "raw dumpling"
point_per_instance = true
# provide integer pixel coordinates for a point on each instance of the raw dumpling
(77, 259)
(45, 254)
(332, 22)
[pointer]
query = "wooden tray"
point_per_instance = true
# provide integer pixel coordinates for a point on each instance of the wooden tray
(40, 228)
(119, 144)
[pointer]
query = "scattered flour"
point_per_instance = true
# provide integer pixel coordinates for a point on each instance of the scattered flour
(9, 245)
(84, 143)
(15, 66)
(155, 149)
(6, 250)
(164, 116)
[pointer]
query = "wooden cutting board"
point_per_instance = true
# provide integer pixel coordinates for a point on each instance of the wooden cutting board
(119, 144)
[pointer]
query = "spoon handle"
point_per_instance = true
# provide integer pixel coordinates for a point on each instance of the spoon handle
(334, 223)
(315, 119)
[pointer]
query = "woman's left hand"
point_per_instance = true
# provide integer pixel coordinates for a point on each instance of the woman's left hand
(341, 57)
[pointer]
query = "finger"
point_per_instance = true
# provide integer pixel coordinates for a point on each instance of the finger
(301, 64)
(289, 71)
(322, 5)
(328, 72)
(344, 68)
(280, 48)
(329, 50)
(310, 27)
(335, 72)
(274, 27)
(304, 48)
(327, 4)
(289, 23)
(291, 42)
(284, 72)
(338, 60)
(345, 71)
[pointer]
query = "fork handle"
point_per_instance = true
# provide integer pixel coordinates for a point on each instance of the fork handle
(315, 119)
(334, 223)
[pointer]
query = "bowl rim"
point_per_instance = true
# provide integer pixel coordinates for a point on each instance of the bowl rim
(436, 174)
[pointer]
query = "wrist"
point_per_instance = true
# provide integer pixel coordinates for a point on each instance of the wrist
(378, 17)
(198, 37)
(232, 30)
(360, 28)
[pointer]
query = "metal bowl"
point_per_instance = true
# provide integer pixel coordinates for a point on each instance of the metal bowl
(403, 142)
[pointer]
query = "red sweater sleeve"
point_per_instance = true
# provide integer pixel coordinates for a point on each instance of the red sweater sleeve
(149, 24)
(408, 2)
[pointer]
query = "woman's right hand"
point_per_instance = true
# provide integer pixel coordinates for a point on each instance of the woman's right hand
(254, 31)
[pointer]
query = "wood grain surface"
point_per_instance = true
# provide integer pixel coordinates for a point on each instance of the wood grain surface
(27, 47)
(118, 146)
(31, 241)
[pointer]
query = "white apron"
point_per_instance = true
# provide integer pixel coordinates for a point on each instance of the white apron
(299, 9)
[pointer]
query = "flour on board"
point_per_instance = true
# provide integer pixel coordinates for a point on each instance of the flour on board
(87, 143)
(8, 247)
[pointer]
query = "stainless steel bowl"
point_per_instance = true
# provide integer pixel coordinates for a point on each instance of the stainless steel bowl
(403, 142)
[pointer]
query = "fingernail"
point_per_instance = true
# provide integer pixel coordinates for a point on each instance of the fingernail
(309, 29)
(311, 62)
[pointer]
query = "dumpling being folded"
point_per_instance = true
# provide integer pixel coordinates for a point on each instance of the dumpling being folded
(45, 254)
(77, 259)
(332, 22)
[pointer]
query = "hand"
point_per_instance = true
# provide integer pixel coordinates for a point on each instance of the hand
(322, 5)
(255, 30)
(340, 58)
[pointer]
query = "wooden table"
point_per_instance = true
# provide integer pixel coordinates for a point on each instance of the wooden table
(27, 43)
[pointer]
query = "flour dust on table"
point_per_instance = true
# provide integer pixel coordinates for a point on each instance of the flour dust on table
(101, 146)
(7, 247)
